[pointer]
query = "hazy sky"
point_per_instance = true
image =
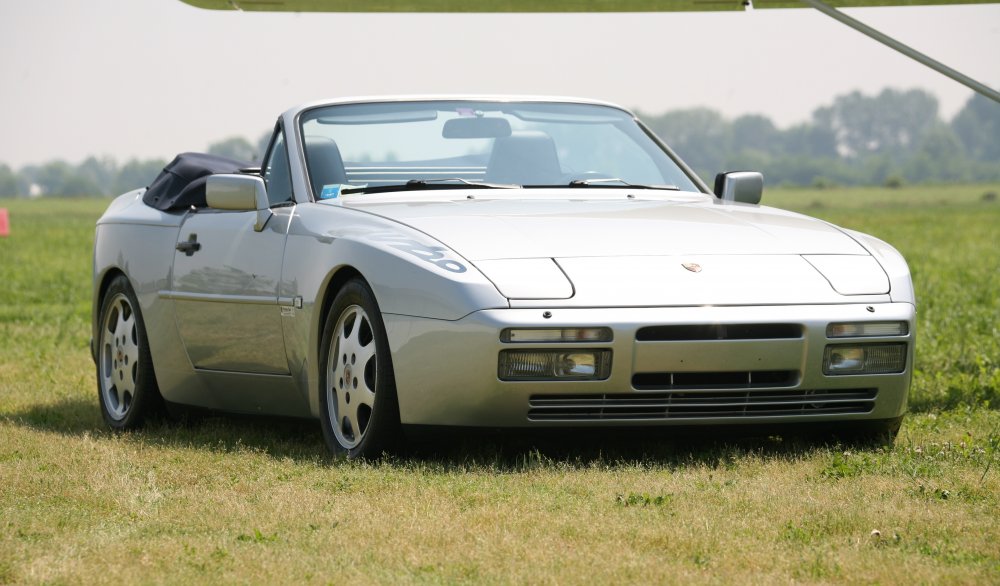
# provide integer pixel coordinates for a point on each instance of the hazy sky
(151, 78)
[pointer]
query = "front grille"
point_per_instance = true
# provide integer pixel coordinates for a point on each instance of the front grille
(667, 381)
(688, 333)
(700, 404)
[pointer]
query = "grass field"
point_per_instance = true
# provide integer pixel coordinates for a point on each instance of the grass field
(247, 500)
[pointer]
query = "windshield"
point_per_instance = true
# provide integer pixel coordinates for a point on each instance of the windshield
(430, 145)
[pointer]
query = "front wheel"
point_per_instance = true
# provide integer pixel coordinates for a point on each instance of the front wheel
(126, 384)
(358, 405)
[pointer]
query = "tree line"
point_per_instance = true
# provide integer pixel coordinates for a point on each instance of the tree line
(892, 138)
(104, 175)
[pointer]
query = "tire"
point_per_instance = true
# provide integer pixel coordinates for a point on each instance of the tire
(358, 405)
(126, 384)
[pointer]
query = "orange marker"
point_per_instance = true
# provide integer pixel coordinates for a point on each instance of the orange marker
(4, 222)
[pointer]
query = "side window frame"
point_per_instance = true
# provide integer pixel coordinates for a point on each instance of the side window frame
(279, 132)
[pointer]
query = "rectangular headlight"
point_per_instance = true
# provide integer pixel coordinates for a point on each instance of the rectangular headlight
(527, 335)
(864, 359)
(573, 364)
(867, 329)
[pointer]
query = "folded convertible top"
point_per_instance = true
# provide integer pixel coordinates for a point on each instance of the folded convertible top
(181, 184)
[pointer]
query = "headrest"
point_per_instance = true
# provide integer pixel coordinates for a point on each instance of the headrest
(525, 158)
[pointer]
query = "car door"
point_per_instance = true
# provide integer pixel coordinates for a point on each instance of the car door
(225, 281)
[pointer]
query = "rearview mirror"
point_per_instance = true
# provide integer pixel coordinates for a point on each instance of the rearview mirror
(239, 193)
(476, 128)
(741, 186)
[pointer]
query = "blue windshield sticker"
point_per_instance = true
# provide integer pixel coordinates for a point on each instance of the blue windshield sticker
(330, 191)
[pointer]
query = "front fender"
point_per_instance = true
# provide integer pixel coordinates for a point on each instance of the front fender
(410, 273)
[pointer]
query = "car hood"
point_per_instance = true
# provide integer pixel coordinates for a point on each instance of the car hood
(484, 229)
(635, 252)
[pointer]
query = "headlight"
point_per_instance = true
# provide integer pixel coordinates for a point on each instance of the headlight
(864, 359)
(851, 274)
(867, 329)
(522, 365)
(525, 335)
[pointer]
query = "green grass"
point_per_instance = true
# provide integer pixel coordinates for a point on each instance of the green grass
(229, 499)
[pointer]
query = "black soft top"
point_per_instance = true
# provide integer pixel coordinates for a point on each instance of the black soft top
(181, 184)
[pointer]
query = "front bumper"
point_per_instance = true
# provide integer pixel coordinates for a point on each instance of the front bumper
(446, 371)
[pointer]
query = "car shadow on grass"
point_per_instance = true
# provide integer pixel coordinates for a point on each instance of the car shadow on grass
(666, 448)
(276, 436)
(68, 416)
(461, 450)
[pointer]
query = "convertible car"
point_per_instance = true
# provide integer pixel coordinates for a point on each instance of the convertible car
(489, 262)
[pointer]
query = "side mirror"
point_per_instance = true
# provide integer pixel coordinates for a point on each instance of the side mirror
(243, 193)
(742, 186)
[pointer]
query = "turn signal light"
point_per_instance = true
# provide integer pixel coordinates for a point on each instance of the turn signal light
(527, 335)
(867, 329)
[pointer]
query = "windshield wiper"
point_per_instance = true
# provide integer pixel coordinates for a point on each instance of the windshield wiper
(622, 182)
(418, 184)
(476, 184)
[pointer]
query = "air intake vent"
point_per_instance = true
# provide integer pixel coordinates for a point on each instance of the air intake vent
(704, 404)
(662, 381)
(685, 333)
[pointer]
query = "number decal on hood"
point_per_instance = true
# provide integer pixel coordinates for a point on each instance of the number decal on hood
(432, 254)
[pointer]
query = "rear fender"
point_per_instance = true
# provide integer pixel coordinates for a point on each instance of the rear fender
(138, 241)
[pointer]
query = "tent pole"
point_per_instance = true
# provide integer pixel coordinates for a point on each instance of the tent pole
(904, 49)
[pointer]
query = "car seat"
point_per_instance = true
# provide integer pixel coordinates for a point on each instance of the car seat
(326, 166)
(524, 158)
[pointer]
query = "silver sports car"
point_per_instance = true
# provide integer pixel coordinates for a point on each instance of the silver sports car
(500, 262)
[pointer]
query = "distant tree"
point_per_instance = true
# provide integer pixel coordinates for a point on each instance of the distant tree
(891, 122)
(8, 182)
(135, 174)
(940, 156)
(235, 147)
(877, 169)
(808, 140)
(702, 137)
(977, 125)
(749, 160)
(807, 170)
(100, 172)
(754, 132)
(59, 178)
(984, 171)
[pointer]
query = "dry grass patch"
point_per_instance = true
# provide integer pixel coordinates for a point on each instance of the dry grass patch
(763, 510)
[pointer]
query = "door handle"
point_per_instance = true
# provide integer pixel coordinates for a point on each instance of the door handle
(190, 246)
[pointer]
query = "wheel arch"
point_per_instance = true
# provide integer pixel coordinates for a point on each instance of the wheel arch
(334, 282)
(145, 399)
(347, 290)
(110, 274)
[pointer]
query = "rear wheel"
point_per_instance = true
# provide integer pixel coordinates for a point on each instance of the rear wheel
(359, 410)
(126, 384)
